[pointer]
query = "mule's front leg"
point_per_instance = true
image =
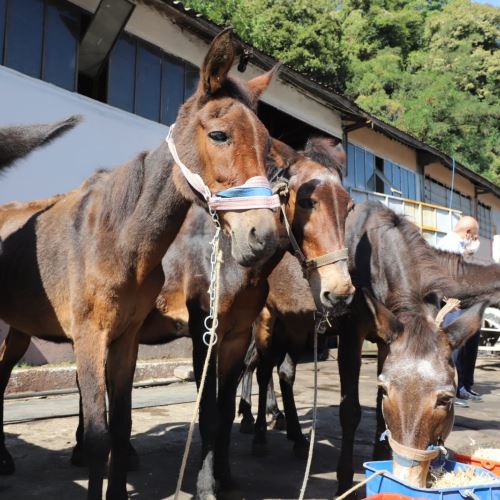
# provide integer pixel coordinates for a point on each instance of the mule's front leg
(12, 350)
(205, 485)
(120, 369)
(231, 355)
(91, 353)
(349, 360)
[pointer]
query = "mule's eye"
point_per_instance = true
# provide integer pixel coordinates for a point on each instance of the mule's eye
(218, 136)
(444, 400)
(307, 203)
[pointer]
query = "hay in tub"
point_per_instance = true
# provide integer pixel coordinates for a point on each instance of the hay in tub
(439, 478)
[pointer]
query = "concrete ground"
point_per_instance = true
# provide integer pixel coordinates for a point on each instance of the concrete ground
(40, 440)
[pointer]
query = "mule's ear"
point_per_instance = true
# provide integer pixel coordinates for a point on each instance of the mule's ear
(282, 155)
(388, 326)
(218, 62)
(258, 85)
(340, 157)
(466, 325)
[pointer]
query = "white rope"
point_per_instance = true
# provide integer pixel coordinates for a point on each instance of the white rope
(362, 483)
(214, 308)
(320, 323)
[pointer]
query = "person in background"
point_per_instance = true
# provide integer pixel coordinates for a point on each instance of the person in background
(464, 240)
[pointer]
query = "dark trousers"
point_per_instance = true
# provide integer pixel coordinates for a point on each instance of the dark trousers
(464, 357)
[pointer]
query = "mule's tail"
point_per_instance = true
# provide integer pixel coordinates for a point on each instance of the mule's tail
(17, 142)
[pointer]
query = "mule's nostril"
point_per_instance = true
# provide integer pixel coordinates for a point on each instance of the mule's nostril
(257, 243)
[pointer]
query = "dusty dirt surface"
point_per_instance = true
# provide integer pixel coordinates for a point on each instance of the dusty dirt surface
(41, 442)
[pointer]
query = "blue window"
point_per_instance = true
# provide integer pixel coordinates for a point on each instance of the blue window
(3, 7)
(388, 174)
(24, 33)
(121, 76)
(359, 162)
(412, 186)
(191, 80)
(396, 177)
(404, 183)
(148, 83)
(370, 171)
(350, 166)
(60, 46)
(172, 89)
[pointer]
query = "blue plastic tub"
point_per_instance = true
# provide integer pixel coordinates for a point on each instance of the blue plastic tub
(386, 483)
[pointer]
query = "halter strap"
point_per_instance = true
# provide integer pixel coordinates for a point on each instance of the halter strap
(256, 192)
(410, 457)
(308, 265)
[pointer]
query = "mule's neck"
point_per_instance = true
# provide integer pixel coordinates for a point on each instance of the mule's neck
(158, 214)
(470, 282)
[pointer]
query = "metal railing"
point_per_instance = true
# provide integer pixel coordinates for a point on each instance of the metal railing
(433, 220)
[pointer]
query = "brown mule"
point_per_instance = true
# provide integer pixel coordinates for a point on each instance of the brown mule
(413, 278)
(88, 267)
(315, 198)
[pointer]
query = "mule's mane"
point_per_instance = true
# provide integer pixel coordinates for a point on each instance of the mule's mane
(322, 151)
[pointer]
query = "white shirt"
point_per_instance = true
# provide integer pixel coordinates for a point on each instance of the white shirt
(452, 243)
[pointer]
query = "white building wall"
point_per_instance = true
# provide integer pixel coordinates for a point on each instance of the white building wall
(107, 137)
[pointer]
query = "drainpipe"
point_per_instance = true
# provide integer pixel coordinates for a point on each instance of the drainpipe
(452, 181)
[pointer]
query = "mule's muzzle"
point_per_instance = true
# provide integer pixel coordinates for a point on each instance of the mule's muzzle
(254, 236)
(336, 304)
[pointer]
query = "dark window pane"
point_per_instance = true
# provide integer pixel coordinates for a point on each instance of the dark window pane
(24, 36)
(388, 174)
(350, 165)
(369, 171)
(121, 79)
(412, 193)
(60, 46)
(148, 83)
(3, 6)
(191, 80)
(172, 89)
(359, 167)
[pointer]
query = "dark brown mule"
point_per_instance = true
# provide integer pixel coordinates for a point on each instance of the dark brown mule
(88, 268)
(410, 280)
(18, 141)
(316, 199)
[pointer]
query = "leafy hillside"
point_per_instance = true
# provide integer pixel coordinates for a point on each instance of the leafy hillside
(430, 67)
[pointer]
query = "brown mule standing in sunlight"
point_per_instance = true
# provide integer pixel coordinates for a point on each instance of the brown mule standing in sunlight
(315, 200)
(88, 267)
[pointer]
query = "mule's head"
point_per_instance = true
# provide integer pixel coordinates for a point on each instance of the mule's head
(317, 209)
(418, 382)
(218, 136)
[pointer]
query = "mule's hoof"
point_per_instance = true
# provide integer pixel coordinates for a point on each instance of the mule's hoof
(301, 448)
(279, 423)
(78, 458)
(259, 449)
(7, 466)
(247, 426)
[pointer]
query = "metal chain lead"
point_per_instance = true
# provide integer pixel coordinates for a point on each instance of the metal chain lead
(211, 321)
